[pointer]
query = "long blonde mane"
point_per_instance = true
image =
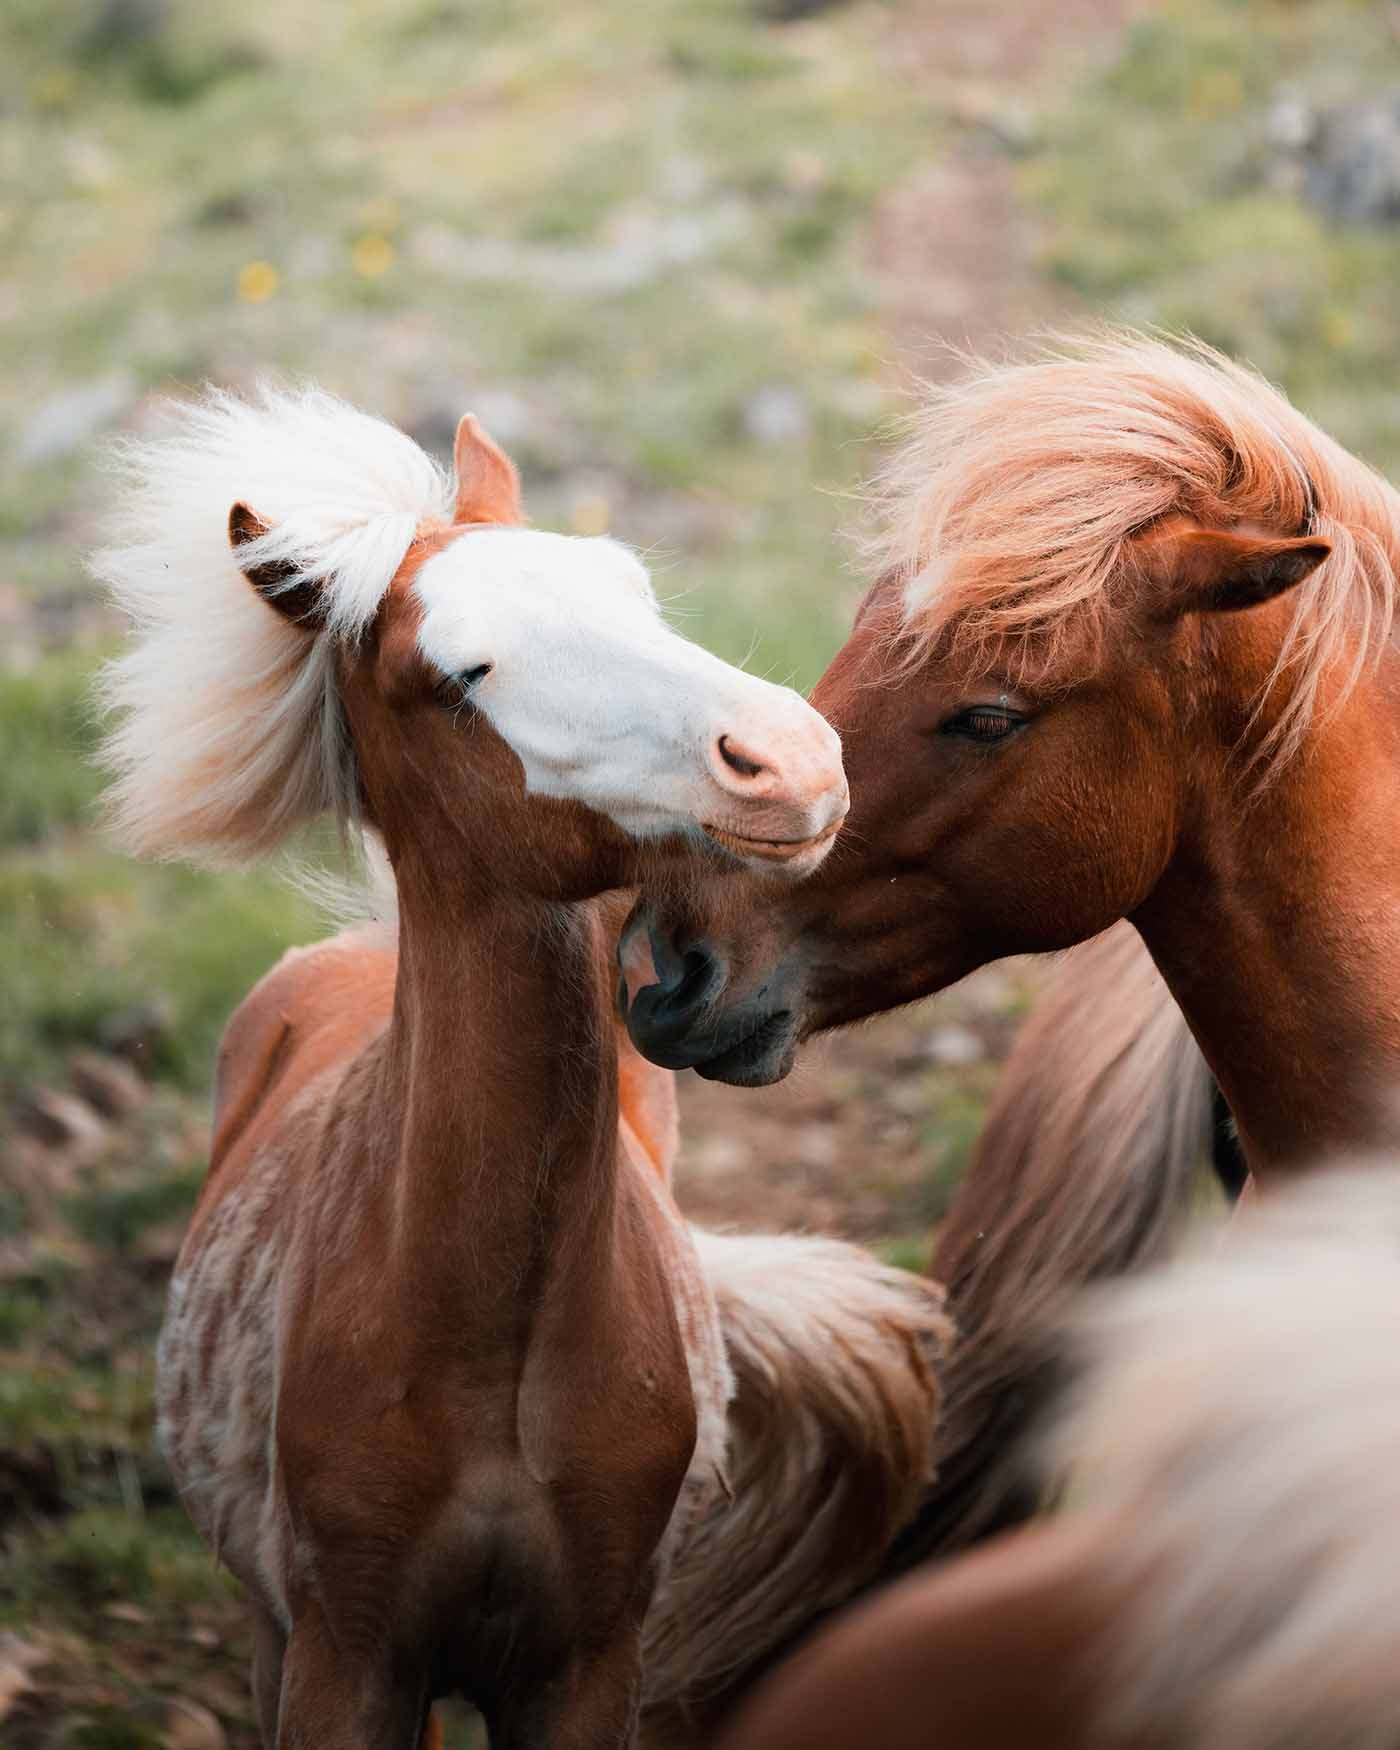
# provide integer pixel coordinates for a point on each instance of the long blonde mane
(1239, 1429)
(1011, 509)
(229, 730)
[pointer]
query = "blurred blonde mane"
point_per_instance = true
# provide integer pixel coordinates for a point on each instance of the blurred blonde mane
(229, 729)
(1011, 510)
(1238, 1429)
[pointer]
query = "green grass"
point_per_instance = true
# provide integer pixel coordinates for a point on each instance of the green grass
(116, 1213)
(1164, 200)
(423, 206)
(47, 739)
(92, 937)
(105, 1555)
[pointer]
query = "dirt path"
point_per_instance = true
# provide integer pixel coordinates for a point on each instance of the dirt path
(868, 1136)
(953, 249)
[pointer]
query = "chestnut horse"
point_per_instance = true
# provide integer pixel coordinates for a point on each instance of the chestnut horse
(1226, 1573)
(1131, 656)
(442, 1377)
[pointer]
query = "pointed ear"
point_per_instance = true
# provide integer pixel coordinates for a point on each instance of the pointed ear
(1220, 571)
(273, 580)
(488, 487)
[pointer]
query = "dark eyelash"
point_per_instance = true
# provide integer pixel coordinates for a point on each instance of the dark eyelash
(455, 690)
(984, 723)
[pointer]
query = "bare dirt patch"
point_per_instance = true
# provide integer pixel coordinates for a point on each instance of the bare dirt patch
(953, 250)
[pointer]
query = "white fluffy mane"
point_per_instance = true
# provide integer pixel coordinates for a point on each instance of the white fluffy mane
(1241, 1425)
(229, 729)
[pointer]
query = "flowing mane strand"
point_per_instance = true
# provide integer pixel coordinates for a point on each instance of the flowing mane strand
(1011, 509)
(229, 727)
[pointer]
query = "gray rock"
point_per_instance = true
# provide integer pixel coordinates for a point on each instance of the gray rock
(109, 1084)
(62, 1121)
(1352, 162)
(953, 1045)
(59, 425)
(776, 415)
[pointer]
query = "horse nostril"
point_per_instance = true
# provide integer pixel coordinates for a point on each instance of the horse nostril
(697, 975)
(737, 760)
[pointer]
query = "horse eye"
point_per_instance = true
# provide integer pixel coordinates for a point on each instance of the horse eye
(455, 690)
(983, 723)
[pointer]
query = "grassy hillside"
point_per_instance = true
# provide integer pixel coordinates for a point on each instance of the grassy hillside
(637, 238)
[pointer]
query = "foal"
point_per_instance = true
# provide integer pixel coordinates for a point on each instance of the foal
(441, 1378)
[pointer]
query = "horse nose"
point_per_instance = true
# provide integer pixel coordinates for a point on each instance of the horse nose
(664, 990)
(787, 764)
(739, 769)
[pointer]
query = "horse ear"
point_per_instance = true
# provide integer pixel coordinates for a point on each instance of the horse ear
(1219, 571)
(274, 580)
(488, 487)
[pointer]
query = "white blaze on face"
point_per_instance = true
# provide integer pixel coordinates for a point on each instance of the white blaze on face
(603, 703)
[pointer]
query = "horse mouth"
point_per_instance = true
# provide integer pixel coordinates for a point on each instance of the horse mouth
(761, 1056)
(771, 850)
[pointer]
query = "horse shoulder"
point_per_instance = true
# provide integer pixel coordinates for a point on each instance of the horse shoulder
(318, 1007)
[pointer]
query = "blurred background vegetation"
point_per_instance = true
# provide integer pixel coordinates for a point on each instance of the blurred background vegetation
(683, 257)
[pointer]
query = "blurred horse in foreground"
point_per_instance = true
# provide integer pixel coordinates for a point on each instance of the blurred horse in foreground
(1225, 1574)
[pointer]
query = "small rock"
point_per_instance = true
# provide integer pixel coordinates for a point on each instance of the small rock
(109, 1084)
(190, 1726)
(135, 1033)
(119, 26)
(988, 992)
(119, 1612)
(18, 1660)
(506, 415)
(62, 1120)
(776, 414)
(718, 1157)
(66, 420)
(684, 177)
(794, 11)
(1352, 166)
(818, 1145)
(953, 1045)
(158, 1247)
(1291, 123)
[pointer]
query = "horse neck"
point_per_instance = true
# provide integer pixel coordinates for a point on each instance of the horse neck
(1278, 930)
(500, 1061)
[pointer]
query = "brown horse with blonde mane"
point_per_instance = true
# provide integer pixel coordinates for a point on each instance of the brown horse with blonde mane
(1225, 1574)
(1130, 657)
(445, 1379)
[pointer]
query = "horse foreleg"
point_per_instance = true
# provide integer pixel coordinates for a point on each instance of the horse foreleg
(592, 1705)
(338, 1695)
(269, 1647)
